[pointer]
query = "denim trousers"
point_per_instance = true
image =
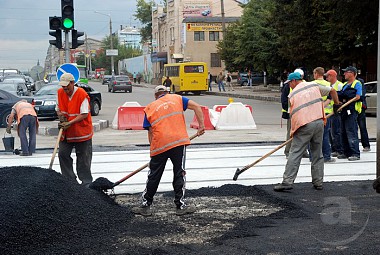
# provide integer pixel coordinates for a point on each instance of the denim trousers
(336, 134)
(221, 86)
(28, 122)
(350, 140)
(326, 146)
(363, 129)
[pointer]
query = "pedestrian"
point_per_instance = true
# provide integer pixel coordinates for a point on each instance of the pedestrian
(138, 78)
(209, 81)
(362, 122)
(228, 82)
(134, 77)
(26, 119)
(285, 113)
(220, 79)
(168, 138)
(283, 78)
(352, 88)
(73, 109)
(249, 77)
(335, 131)
(318, 74)
(307, 116)
(167, 83)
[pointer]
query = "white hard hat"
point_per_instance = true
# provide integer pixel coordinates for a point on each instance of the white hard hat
(300, 71)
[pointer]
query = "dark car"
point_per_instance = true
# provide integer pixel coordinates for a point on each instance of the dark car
(257, 78)
(106, 79)
(7, 100)
(15, 88)
(120, 82)
(46, 99)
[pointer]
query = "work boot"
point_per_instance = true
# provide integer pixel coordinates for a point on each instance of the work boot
(342, 156)
(305, 155)
(334, 154)
(282, 187)
(143, 210)
(366, 149)
(330, 160)
(185, 209)
(318, 187)
(353, 158)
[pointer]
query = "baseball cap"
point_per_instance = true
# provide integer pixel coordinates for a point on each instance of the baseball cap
(160, 88)
(294, 76)
(331, 72)
(351, 69)
(65, 79)
(300, 71)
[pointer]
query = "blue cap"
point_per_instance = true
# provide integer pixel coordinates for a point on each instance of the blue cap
(294, 76)
(351, 69)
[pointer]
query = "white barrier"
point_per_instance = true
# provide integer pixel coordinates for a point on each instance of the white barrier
(235, 116)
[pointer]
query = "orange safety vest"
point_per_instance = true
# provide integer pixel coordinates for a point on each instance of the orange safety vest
(168, 125)
(22, 109)
(306, 105)
(80, 131)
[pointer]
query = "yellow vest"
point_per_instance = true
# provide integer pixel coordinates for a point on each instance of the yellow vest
(358, 104)
(329, 107)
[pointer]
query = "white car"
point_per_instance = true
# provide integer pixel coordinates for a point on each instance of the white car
(371, 97)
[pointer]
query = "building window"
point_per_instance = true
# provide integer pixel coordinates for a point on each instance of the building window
(213, 36)
(199, 36)
(215, 60)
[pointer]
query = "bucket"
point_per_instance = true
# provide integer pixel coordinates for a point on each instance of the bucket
(9, 143)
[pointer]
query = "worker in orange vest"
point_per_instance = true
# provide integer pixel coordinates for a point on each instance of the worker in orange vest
(168, 138)
(26, 119)
(73, 109)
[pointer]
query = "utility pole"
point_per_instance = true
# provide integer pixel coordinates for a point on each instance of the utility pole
(223, 21)
(378, 103)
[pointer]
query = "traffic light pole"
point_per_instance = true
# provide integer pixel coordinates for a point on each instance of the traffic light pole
(67, 47)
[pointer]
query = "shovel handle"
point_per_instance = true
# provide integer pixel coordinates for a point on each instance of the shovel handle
(55, 148)
(140, 168)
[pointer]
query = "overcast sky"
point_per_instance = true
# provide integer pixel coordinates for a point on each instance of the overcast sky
(24, 26)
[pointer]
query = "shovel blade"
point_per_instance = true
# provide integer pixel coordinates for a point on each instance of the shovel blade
(101, 184)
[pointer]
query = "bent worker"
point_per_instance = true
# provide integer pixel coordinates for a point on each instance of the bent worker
(168, 138)
(26, 119)
(307, 116)
(73, 109)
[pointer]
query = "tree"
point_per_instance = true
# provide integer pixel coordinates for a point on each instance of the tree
(144, 15)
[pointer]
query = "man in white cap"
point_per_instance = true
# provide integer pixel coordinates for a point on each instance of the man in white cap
(73, 109)
(168, 138)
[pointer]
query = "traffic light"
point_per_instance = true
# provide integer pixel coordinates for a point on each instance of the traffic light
(58, 38)
(67, 7)
(75, 43)
(55, 23)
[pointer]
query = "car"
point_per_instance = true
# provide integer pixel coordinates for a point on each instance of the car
(45, 100)
(7, 100)
(120, 82)
(30, 83)
(106, 79)
(257, 78)
(15, 88)
(371, 97)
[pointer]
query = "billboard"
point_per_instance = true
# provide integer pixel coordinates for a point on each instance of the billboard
(204, 26)
(197, 9)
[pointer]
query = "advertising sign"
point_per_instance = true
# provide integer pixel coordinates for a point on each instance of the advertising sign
(197, 9)
(204, 26)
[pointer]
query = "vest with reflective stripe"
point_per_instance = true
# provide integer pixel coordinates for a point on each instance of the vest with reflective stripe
(168, 125)
(358, 104)
(329, 107)
(80, 131)
(306, 105)
(337, 86)
(22, 109)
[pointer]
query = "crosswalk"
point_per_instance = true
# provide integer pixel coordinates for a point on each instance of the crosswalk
(207, 167)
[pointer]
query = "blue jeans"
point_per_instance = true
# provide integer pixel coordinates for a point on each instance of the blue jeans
(336, 134)
(221, 86)
(209, 85)
(28, 122)
(363, 129)
(350, 140)
(326, 147)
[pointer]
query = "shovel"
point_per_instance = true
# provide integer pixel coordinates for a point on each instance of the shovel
(55, 148)
(103, 184)
(245, 168)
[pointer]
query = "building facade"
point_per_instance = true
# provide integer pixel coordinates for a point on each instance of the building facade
(130, 37)
(189, 30)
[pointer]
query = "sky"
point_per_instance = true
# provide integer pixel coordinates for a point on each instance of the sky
(24, 26)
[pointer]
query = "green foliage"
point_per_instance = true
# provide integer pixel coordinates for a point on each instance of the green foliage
(277, 34)
(144, 15)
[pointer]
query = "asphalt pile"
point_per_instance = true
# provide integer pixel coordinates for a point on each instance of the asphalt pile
(42, 212)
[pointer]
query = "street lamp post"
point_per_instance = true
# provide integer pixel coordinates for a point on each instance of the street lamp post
(111, 41)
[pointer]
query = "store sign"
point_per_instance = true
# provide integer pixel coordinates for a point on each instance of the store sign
(204, 26)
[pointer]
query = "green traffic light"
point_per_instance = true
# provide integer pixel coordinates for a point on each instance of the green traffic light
(68, 23)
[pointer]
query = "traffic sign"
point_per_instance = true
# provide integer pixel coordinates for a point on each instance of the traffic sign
(68, 68)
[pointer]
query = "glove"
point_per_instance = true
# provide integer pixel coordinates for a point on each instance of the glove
(285, 115)
(64, 125)
(62, 118)
(336, 107)
(8, 129)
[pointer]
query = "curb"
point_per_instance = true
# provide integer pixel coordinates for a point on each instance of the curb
(53, 131)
